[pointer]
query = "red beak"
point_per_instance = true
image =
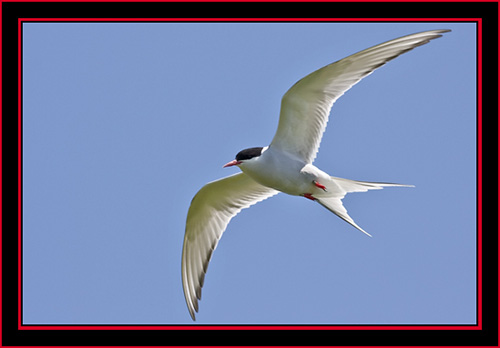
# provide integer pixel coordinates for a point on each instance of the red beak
(232, 163)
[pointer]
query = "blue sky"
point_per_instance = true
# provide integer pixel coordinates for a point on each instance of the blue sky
(124, 122)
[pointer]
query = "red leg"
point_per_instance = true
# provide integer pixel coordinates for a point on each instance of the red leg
(309, 196)
(319, 185)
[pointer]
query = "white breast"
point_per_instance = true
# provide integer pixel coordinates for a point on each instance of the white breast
(283, 172)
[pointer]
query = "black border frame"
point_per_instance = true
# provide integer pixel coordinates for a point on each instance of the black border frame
(12, 11)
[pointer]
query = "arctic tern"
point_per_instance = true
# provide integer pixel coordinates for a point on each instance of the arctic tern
(286, 164)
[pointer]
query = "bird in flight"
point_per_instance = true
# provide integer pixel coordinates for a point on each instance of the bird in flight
(286, 164)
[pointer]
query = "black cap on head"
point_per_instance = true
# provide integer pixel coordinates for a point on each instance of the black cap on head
(249, 153)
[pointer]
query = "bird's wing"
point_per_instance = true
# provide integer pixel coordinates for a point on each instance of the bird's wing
(210, 212)
(305, 107)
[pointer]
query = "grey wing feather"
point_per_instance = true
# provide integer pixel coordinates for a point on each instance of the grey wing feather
(209, 214)
(305, 107)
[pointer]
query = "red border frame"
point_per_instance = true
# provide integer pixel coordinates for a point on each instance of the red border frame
(478, 326)
(205, 19)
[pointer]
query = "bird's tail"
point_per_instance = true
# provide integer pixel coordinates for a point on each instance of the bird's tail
(339, 187)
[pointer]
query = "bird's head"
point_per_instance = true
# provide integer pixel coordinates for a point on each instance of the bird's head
(246, 155)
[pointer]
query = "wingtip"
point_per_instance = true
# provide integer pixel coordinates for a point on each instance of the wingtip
(193, 315)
